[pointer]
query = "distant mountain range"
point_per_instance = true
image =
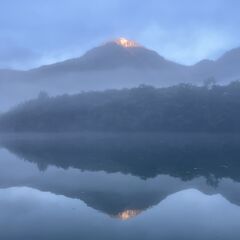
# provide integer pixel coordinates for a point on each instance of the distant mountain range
(116, 64)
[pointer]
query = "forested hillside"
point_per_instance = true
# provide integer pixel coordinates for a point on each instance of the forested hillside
(178, 108)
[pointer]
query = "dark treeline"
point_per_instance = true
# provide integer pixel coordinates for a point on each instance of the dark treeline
(178, 108)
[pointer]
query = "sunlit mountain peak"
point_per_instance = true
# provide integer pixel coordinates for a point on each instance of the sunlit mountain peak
(126, 42)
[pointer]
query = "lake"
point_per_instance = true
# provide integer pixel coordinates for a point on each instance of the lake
(131, 186)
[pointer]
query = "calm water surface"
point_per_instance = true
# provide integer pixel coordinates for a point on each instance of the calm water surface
(120, 186)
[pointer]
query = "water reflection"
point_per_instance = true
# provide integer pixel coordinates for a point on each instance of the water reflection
(155, 182)
(146, 155)
(37, 215)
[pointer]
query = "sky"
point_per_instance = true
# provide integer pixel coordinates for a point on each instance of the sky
(38, 32)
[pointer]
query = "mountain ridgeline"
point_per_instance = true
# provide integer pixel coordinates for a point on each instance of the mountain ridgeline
(114, 65)
(178, 108)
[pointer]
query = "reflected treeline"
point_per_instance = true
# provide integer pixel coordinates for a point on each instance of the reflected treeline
(141, 154)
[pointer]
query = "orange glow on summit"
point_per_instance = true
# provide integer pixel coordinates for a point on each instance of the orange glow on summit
(126, 43)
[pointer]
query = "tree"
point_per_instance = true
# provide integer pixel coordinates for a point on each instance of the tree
(43, 95)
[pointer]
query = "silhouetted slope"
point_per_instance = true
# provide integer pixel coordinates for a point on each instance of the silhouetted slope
(112, 56)
(224, 69)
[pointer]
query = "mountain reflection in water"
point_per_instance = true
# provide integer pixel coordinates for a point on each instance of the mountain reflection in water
(126, 177)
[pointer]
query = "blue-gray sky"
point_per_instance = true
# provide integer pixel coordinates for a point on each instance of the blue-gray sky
(36, 32)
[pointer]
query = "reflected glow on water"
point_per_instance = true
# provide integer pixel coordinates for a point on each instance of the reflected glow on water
(47, 216)
(128, 214)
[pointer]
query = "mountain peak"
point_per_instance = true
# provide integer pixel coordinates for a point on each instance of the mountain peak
(126, 43)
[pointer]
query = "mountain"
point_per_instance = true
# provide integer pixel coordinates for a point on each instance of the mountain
(116, 64)
(224, 70)
(112, 55)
